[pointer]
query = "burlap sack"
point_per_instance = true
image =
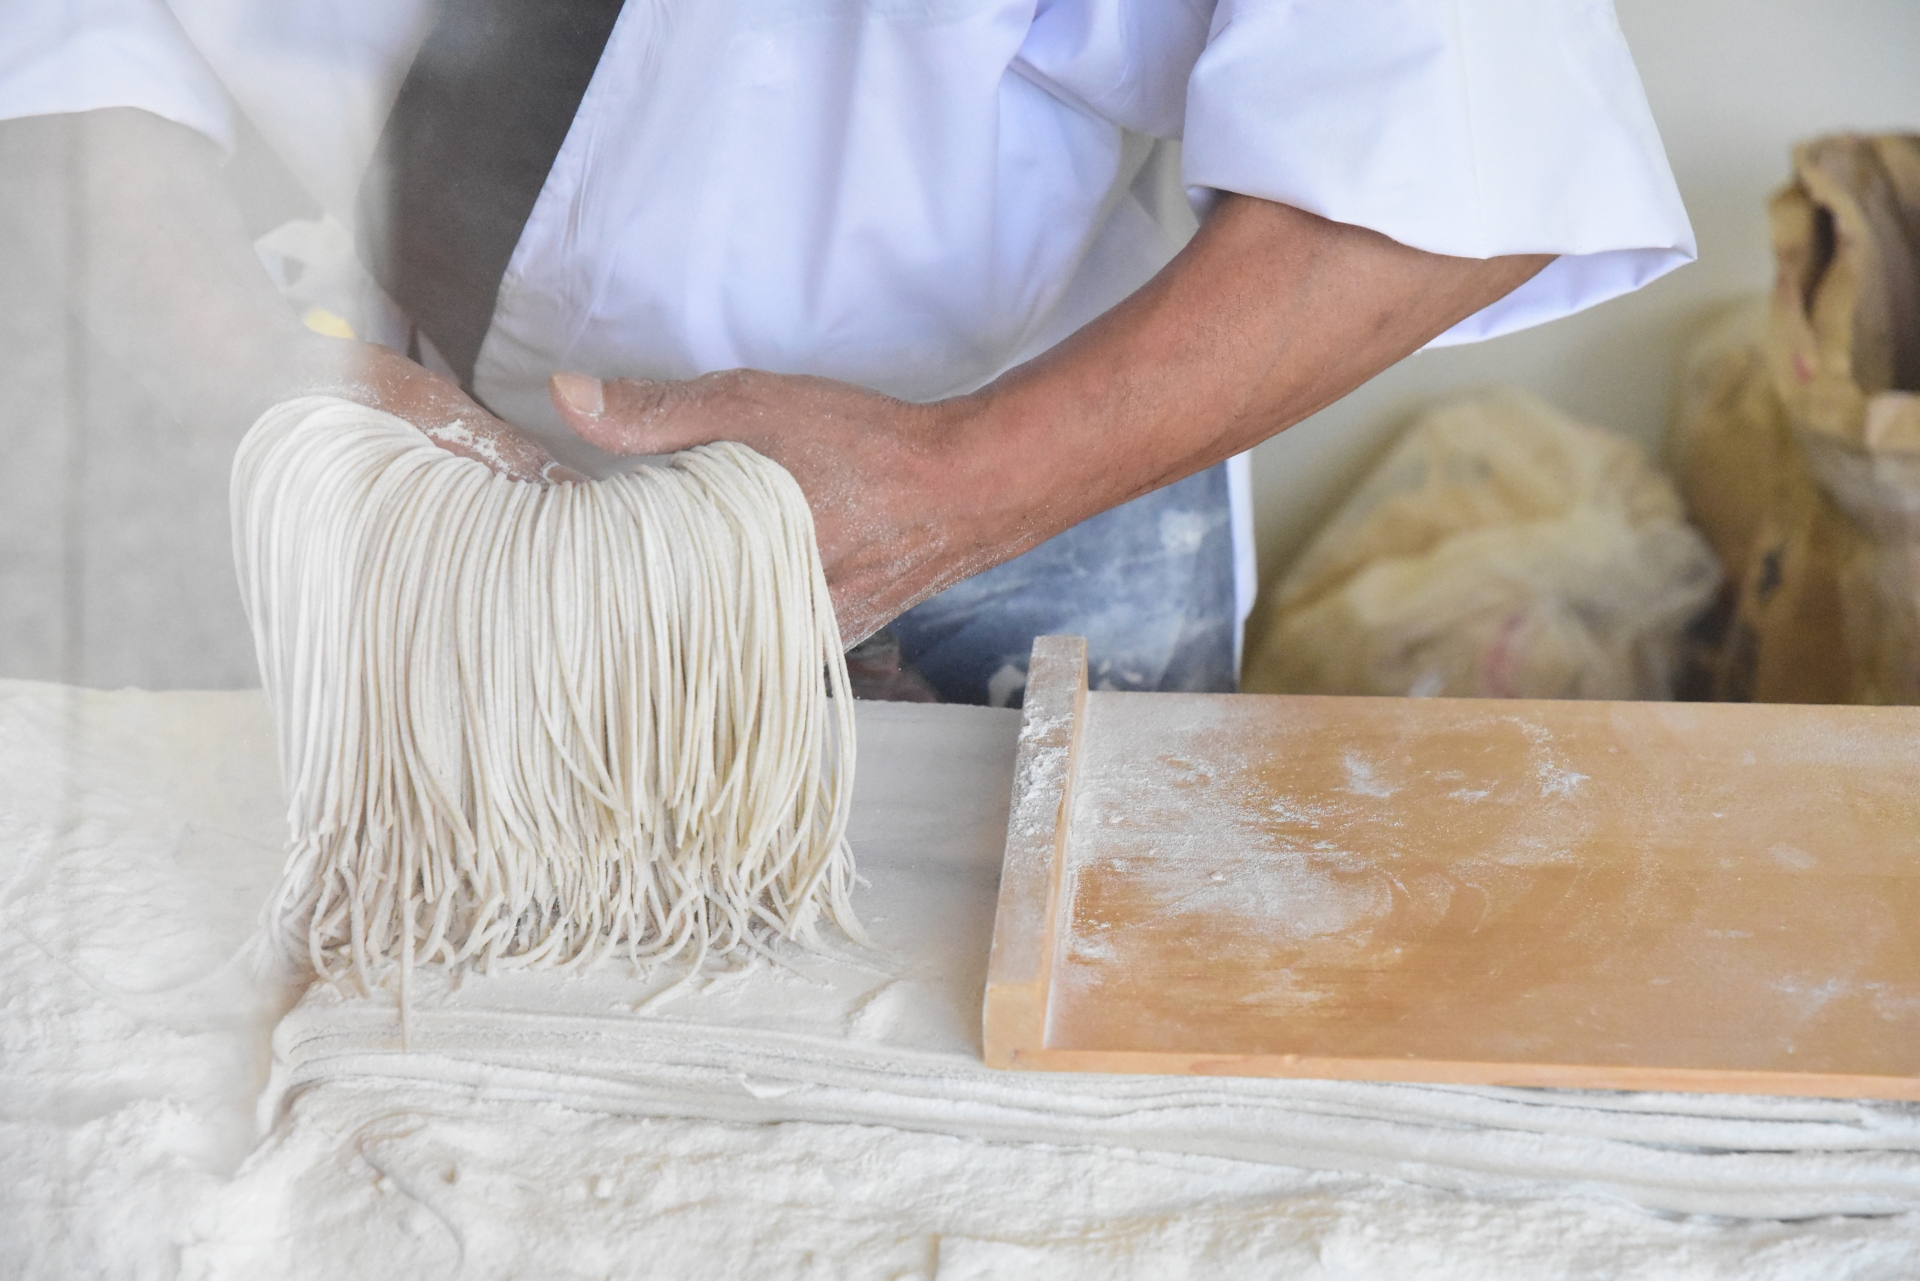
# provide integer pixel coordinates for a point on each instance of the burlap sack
(1797, 442)
(1844, 324)
(1500, 550)
(1779, 638)
(1730, 448)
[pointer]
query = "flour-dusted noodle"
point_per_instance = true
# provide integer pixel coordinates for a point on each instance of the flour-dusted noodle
(535, 725)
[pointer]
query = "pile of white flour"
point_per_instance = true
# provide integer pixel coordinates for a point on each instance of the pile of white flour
(140, 832)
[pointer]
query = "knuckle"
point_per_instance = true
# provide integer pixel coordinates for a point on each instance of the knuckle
(729, 382)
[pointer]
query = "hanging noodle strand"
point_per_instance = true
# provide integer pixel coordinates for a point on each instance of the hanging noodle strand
(536, 726)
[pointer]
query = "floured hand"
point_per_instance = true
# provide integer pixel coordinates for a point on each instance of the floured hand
(895, 498)
(383, 379)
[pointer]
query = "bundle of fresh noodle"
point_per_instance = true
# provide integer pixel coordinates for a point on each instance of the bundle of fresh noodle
(526, 725)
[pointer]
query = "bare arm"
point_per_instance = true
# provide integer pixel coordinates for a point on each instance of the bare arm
(1268, 315)
(124, 219)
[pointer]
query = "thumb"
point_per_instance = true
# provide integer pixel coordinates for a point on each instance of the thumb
(625, 415)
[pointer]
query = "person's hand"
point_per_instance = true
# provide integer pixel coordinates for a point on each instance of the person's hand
(891, 490)
(383, 379)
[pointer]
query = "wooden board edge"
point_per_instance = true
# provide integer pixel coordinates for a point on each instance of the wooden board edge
(1027, 924)
(1559, 1076)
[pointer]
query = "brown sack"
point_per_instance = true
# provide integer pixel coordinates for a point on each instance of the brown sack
(1730, 449)
(1844, 325)
(1500, 550)
(1781, 541)
(1797, 443)
(1788, 640)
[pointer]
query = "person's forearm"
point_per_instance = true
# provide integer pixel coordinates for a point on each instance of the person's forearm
(1267, 316)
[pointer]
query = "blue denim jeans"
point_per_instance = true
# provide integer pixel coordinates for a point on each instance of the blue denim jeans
(1149, 584)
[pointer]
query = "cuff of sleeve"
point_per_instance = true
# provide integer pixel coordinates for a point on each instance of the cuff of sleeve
(1475, 128)
(1570, 283)
(96, 54)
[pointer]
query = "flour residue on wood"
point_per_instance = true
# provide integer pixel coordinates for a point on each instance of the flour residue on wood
(1487, 882)
(1198, 821)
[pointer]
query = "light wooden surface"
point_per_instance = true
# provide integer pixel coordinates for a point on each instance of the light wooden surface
(1611, 895)
(1028, 922)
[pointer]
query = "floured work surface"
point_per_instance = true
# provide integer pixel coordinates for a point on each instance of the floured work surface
(1609, 895)
(542, 1125)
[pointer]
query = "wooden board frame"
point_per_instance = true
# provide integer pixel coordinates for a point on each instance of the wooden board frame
(1025, 1009)
(1027, 923)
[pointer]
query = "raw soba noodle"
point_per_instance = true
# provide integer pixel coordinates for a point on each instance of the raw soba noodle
(526, 725)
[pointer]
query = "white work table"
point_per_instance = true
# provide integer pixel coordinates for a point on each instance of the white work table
(827, 1118)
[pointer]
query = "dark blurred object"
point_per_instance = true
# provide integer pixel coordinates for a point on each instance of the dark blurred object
(879, 673)
(1797, 442)
(465, 152)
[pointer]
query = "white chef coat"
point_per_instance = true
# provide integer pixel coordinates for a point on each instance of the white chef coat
(916, 194)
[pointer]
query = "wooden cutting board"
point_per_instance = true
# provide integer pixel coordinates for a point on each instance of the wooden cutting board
(1661, 896)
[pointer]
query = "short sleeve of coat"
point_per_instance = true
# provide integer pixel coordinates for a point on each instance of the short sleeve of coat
(1465, 127)
(85, 55)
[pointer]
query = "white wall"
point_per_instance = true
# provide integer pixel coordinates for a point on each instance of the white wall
(1733, 84)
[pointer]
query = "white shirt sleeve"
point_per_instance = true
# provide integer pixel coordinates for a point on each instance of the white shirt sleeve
(1465, 127)
(84, 55)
